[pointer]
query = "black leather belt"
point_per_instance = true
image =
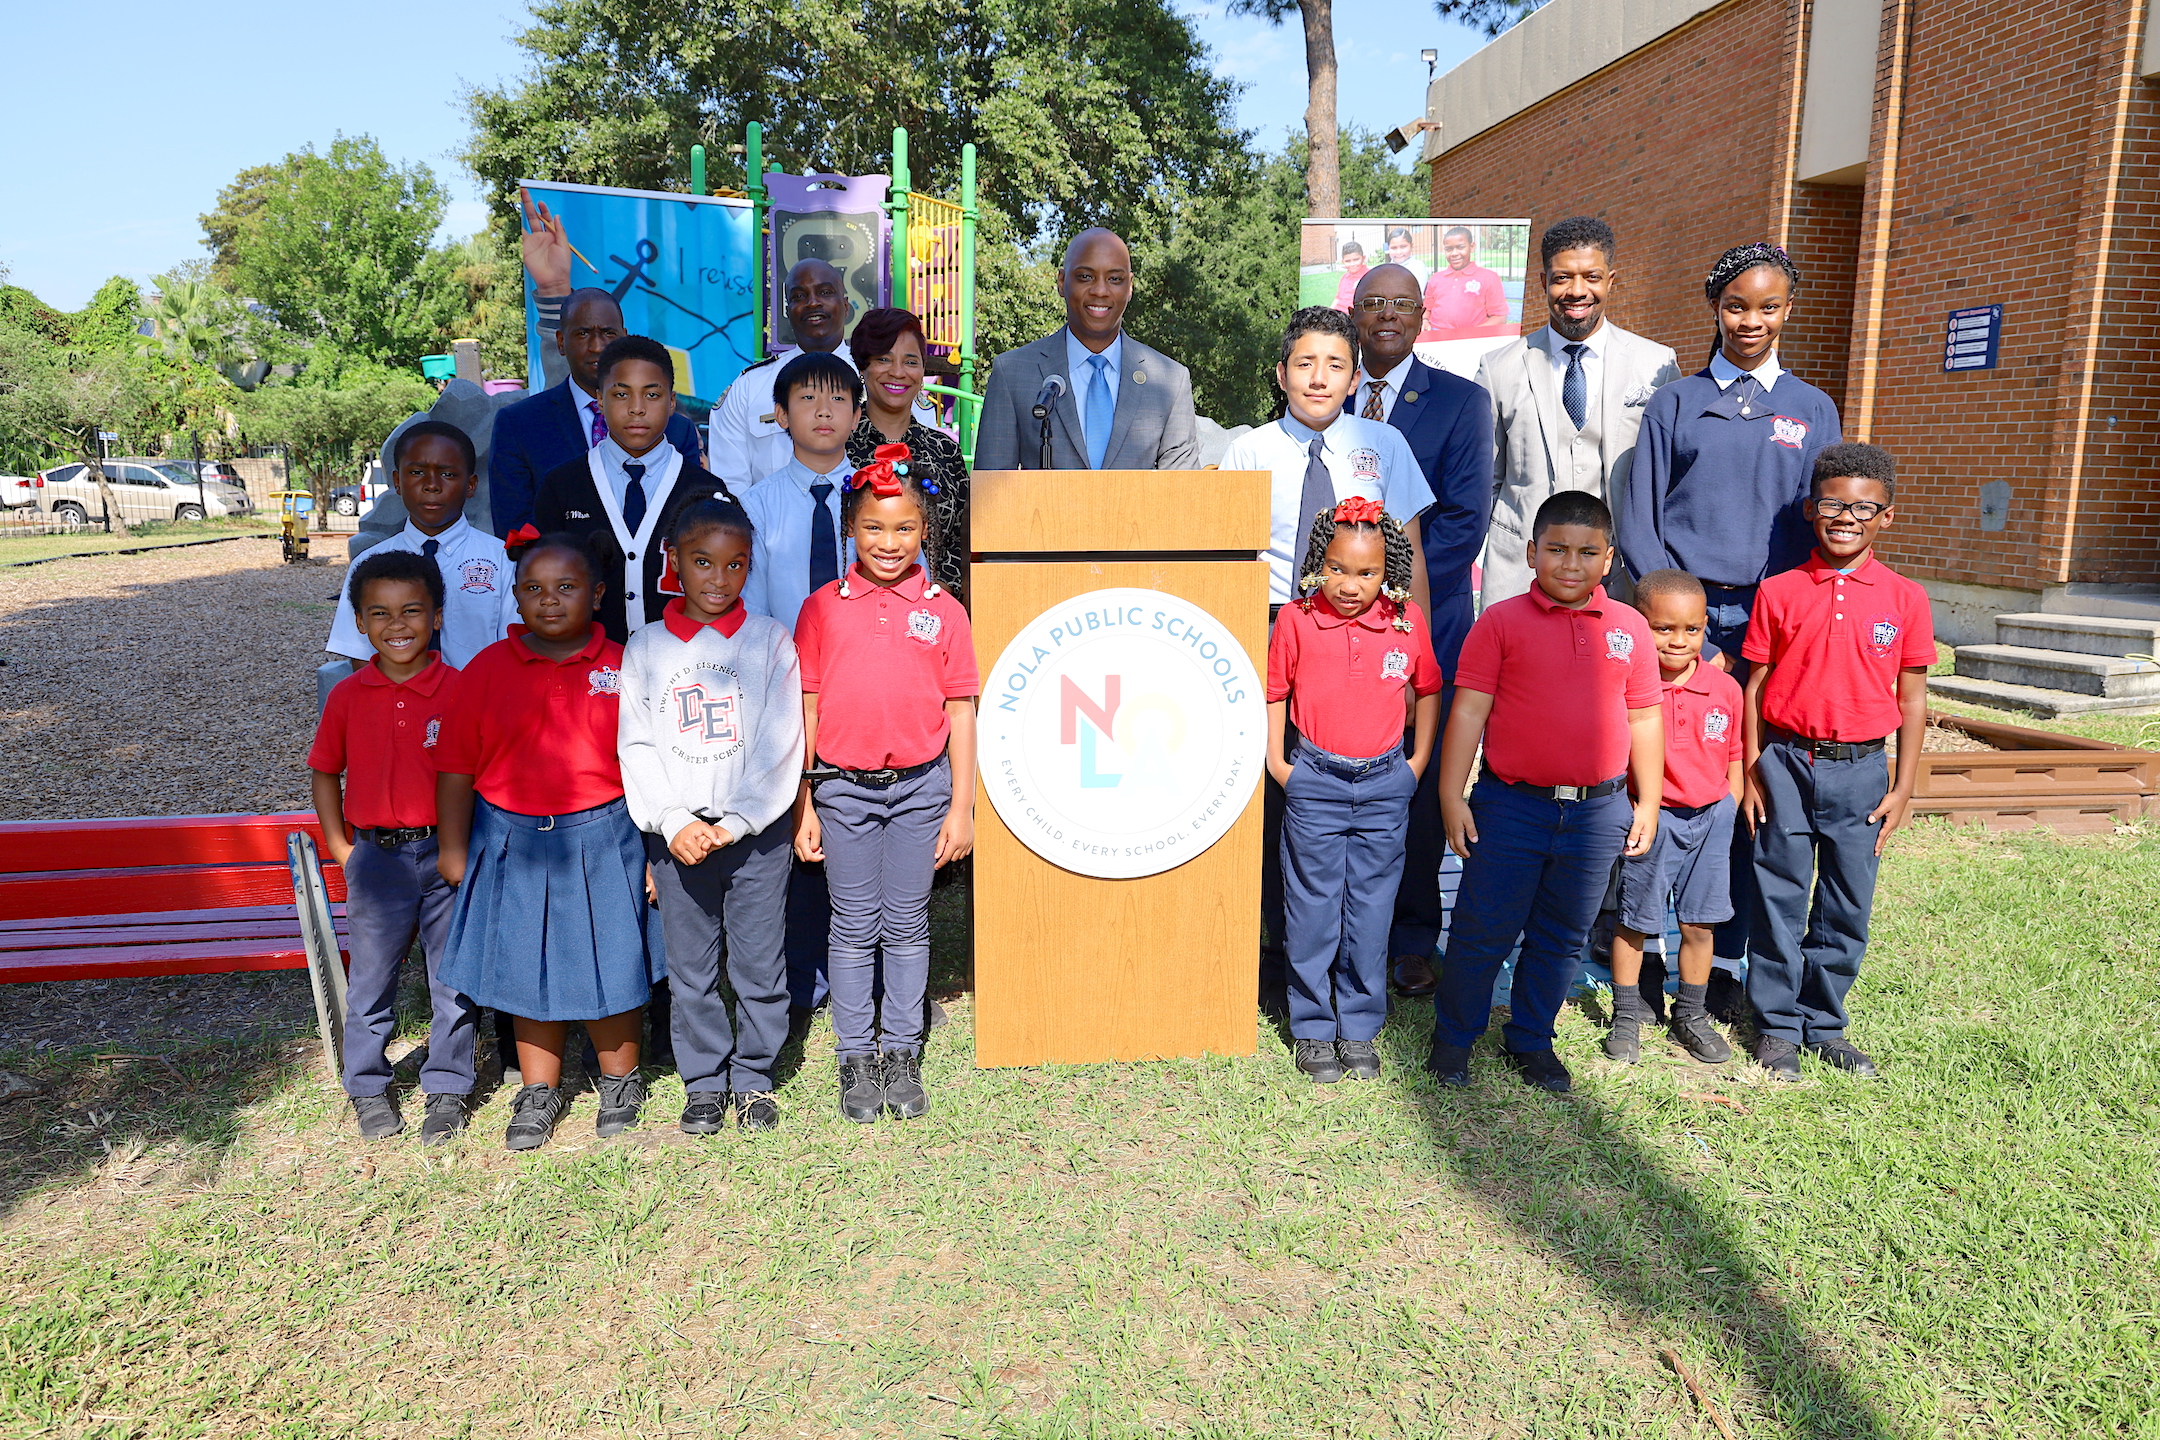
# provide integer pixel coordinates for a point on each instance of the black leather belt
(1828, 749)
(1566, 794)
(875, 779)
(391, 839)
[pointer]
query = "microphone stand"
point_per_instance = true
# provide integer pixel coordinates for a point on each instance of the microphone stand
(1042, 413)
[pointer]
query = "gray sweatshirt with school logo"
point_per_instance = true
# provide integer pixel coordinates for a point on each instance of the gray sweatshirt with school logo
(712, 727)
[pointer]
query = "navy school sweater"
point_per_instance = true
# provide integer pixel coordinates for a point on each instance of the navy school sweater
(1720, 494)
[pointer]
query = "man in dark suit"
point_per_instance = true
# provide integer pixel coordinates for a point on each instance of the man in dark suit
(562, 423)
(1125, 406)
(1448, 422)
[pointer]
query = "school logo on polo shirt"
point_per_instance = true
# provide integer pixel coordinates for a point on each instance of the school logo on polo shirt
(477, 577)
(1884, 634)
(1365, 463)
(1715, 723)
(1788, 432)
(1122, 732)
(1395, 665)
(1618, 644)
(605, 680)
(434, 732)
(925, 625)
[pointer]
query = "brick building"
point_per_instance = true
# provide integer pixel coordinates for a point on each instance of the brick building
(1916, 157)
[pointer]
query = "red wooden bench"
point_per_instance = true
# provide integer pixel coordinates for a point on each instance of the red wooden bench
(170, 895)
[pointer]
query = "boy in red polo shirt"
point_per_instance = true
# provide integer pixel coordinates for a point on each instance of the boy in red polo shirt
(1339, 663)
(1690, 861)
(1840, 648)
(1562, 686)
(376, 730)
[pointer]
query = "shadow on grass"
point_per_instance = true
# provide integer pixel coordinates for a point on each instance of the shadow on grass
(1567, 1173)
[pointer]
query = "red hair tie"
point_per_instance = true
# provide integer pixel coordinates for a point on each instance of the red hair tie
(887, 464)
(1358, 512)
(524, 535)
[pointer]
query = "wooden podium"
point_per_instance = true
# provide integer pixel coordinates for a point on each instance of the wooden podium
(1070, 968)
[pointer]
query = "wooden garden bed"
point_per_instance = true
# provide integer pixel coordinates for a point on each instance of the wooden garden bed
(2029, 778)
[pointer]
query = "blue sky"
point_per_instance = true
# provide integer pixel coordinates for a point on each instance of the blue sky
(107, 176)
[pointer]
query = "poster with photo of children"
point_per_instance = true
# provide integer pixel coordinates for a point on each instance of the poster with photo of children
(1470, 272)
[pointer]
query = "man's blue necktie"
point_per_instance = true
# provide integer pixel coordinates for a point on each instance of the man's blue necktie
(824, 543)
(633, 500)
(1101, 410)
(1574, 390)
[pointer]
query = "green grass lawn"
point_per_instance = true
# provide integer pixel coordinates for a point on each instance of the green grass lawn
(1968, 1246)
(15, 549)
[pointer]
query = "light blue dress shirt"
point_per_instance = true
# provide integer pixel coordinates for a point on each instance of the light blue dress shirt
(781, 508)
(1366, 460)
(613, 457)
(1079, 374)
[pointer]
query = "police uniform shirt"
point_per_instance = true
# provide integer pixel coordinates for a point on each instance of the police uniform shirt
(478, 600)
(1366, 460)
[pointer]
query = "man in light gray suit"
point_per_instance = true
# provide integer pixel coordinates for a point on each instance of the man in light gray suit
(1567, 400)
(1125, 406)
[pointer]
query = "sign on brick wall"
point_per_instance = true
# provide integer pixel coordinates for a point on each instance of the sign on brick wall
(1971, 338)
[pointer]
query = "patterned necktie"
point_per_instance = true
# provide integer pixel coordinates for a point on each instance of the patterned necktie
(1575, 388)
(1374, 389)
(633, 500)
(824, 542)
(1317, 495)
(599, 422)
(1100, 411)
(428, 548)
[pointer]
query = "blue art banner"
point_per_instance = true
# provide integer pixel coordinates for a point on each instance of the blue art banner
(681, 266)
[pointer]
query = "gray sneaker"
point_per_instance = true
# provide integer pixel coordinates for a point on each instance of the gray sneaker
(1317, 1059)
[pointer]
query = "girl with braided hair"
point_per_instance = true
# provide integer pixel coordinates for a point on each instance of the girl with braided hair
(1341, 664)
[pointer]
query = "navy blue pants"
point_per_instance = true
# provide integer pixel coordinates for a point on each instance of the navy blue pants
(809, 934)
(391, 895)
(880, 858)
(1689, 864)
(1419, 911)
(1814, 888)
(1538, 871)
(1344, 821)
(739, 890)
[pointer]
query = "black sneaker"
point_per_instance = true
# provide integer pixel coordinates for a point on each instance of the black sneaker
(706, 1112)
(378, 1116)
(756, 1110)
(1726, 998)
(938, 1018)
(1780, 1057)
(445, 1117)
(532, 1117)
(1360, 1059)
(1450, 1065)
(1700, 1039)
(1835, 1051)
(1623, 1043)
(1542, 1070)
(862, 1088)
(904, 1093)
(621, 1098)
(1317, 1059)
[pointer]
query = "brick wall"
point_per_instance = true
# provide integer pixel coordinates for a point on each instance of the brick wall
(1824, 242)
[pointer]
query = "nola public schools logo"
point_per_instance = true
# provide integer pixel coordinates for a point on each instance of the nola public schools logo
(1122, 733)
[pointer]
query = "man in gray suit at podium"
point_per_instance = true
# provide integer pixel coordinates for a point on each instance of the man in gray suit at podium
(1567, 400)
(1123, 406)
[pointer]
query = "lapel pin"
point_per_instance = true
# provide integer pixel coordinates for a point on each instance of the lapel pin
(1139, 377)
(1409, 397)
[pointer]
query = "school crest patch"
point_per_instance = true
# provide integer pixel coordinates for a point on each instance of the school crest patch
(1471, 287)
(477, 577)
(1884, 633)
(1395, 665)
(1364, 463)
(1618, 644)
(434, 732)
(1715, 723)
(605, 680)
(1786, 431)
(925, 625)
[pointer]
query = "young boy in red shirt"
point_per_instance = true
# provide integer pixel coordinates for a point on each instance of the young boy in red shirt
(1562, 686)
(377, 730)
(1840, 648)
(1690, 862)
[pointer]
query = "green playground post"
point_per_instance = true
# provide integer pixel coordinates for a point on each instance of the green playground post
(754, 184)
(697, 170)
(967, 414)
(902, 182)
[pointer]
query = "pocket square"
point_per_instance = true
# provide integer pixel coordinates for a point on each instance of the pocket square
(1638, 395)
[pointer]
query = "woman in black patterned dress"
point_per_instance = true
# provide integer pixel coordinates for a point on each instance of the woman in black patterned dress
(890, 351)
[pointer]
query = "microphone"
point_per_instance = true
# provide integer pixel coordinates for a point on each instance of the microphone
(1052, 387)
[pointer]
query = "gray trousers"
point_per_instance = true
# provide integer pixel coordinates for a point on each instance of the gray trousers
(739, 891)
(880, 846)
(390, 895)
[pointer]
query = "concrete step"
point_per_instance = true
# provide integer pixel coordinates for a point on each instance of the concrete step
(2046, 704)
(2120, 602)
(2104, 675)
(2084, 634)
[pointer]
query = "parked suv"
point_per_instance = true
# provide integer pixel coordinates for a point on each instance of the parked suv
(142, 489)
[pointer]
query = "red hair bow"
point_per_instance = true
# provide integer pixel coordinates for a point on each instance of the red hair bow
(523, 535)
(1358, 512)
(887, 464)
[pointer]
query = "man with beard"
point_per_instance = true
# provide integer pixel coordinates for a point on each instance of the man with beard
(1567, 399)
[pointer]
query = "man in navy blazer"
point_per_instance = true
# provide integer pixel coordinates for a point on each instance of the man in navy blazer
(1448, 422)
(562, 423)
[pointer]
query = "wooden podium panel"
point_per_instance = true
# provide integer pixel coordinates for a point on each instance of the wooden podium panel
(1074, 969)
(1049, 511)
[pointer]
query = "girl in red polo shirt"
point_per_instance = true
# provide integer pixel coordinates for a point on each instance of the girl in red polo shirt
(551, 922)
(1339, 664)
(889, 682)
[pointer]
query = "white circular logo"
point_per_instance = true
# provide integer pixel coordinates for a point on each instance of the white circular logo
(1122, 733)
